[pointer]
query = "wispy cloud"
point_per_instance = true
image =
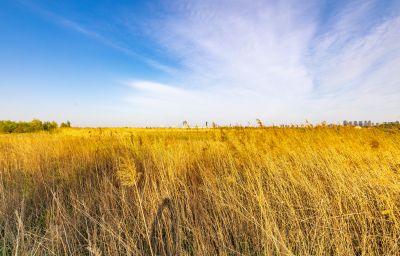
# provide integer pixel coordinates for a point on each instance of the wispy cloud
(355, 66)
(113, 43)
(277, 61)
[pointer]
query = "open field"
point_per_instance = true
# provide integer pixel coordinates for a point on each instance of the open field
(231, 191)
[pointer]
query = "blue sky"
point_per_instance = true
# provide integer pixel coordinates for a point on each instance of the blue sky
(157, 63)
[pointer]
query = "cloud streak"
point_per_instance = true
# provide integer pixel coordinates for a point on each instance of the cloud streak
(279, 62)
(113, 43)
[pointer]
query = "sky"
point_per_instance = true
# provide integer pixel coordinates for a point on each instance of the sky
(158, 63)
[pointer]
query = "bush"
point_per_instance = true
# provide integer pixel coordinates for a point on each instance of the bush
(7, 126)
(66, 125)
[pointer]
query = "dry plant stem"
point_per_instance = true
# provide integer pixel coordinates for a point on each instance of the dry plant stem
(166, 205)
(144, 219)
(237, 191)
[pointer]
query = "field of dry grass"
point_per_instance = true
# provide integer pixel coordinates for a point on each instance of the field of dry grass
(232, 191)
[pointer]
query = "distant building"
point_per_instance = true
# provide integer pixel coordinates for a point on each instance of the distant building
(360, 123)
(355, 123)
(345, 123)
(369, 123)
(351, 123)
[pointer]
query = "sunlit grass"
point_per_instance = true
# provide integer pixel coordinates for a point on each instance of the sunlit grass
(235, 191)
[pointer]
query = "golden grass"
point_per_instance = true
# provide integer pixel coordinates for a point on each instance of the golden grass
(266, 191)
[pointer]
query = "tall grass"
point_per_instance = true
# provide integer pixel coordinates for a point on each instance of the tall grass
(266, 191)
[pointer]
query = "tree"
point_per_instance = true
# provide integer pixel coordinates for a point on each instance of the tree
(7, 126)
(65, 125)
(49, 126)
(36, 125)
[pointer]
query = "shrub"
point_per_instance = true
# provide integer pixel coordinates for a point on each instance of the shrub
(7, 126)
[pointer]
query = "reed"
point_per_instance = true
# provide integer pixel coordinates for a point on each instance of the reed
(231, 191)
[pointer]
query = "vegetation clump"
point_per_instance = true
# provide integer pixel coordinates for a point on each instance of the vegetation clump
(7, 126)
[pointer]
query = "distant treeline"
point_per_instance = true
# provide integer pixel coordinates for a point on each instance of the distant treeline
(7, 126)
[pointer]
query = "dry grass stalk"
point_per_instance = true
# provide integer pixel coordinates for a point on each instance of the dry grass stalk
(237, 191)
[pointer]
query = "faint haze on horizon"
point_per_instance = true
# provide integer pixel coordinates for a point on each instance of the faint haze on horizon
(157, 63)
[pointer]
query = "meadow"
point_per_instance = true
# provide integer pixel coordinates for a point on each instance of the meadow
(221, 191)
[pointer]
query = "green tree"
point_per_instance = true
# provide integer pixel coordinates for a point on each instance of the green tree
(49, 126)
(65, 125)
(7, 126)
(36, 125)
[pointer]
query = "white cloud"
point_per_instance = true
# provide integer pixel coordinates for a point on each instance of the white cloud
(156, 88)
(271, 60)
(359, 79)
(276, 60)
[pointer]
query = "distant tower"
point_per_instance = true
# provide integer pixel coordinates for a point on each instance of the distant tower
(345, 123)
(207, 124)
(369, 123)
(360, 123)
(355, 123)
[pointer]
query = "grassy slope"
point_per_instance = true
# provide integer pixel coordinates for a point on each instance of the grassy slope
(313, 191)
